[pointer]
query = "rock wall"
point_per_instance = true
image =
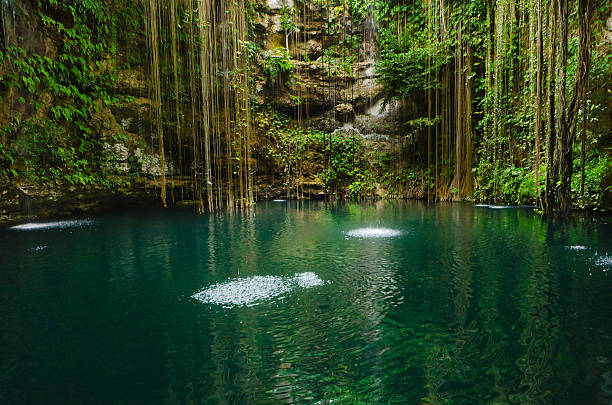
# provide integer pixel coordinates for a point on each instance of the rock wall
(336, 99)
(328, 93)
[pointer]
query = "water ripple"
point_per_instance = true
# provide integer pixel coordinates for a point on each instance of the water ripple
(461, 305)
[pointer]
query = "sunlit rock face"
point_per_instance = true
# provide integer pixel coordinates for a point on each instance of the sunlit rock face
(279, 4)
(37, 226)
(608, 29)
(373, 233)
(117, 156)
(255, 290)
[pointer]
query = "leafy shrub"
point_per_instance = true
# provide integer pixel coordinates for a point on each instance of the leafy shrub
(53, 160)
(514, 185)
(7, 171)
(345, 169)
(277, 61)
(597, 177)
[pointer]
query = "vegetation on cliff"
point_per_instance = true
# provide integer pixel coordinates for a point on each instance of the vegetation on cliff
(515, 96)
(502, 101)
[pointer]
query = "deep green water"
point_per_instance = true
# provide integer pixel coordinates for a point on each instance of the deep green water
(466, 305)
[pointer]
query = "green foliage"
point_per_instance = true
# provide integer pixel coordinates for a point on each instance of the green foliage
(7, 160)
(597, 180)
(64, 89)
(359, 9)
(53, 159)
(288, 143)
(277, 61)
(397, 181)
(418, 124)
(288, 20)
(515, 185)
(336, 61)
(345, 170)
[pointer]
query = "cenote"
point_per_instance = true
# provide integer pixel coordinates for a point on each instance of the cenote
(292, 303)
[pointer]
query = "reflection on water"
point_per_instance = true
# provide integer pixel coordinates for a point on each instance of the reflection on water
(468, 306)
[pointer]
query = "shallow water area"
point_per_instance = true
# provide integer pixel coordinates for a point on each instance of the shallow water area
(307, 302)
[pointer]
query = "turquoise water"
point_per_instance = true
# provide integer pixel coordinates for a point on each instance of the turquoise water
(388, 302)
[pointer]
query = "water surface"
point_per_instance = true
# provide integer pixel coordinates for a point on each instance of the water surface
(389, 302)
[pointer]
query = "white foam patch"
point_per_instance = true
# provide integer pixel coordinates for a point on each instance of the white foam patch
(279, 201)
(37, 226)
(39, 248)
(604, 261)
(307, 280)
(255, 290)
(576, 247)
(373, 233)
(494, 207)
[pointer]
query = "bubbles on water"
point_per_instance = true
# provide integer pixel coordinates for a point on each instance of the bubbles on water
(576, 247)
(494, 207)
(604, 261)
(37, 226)
(373, 233)
(246, 291)
(39, 248)
(307, 280)
(254, 290)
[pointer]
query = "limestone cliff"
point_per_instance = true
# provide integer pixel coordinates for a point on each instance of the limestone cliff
(329, 87)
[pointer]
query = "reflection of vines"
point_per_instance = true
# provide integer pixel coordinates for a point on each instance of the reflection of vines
(539, 339)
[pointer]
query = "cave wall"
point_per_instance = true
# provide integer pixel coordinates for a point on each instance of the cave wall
(339, 102)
